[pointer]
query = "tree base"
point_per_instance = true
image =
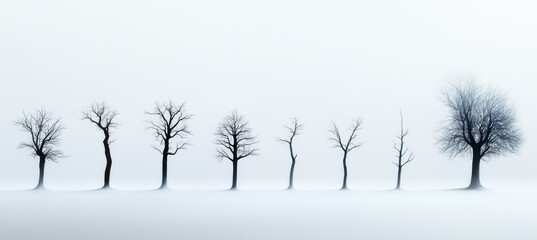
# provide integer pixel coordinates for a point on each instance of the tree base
(475, 187)
(475, 184)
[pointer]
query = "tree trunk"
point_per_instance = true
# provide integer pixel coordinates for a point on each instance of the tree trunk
(165, 152)
(40, 184)
(164, 182)
(399, 168)
(291, 175)
(292, 171)
(108, 167)
(475, 183)
(344, 186)
(234, 181)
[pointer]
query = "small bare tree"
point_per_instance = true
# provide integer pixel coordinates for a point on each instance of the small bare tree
(403, 157)
(104, 119)
(235, 140)
(481, 122)
(294, 130)
(346, 145)
(44, 130)
(170, 121)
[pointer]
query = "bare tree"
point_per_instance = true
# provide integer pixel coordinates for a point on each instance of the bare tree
(346, 145)
(170, 121)
(294, 130)
(481, 122)
(104, 119)
(235, 140)
(403, 157)
(44, 130)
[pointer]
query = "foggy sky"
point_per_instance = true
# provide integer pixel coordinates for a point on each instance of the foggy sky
(321, 61)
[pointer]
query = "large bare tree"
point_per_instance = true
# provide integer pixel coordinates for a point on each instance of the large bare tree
(293, 130)
(481, 123)
(103, 118)
(169, 122)
(346, 145)
(235, 140)
(44, 131)
(403, 156)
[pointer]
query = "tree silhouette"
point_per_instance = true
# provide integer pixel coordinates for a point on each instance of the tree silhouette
(481, 123)
(403, 157)
(104, 119)
(44, 130)
(169, 122)
(294, 130)
(346, 145)
(235, 140)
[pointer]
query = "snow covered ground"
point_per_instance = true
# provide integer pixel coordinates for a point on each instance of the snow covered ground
(110, 214)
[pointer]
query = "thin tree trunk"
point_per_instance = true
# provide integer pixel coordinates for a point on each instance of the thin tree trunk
(399, 168)
(475, 183)
(164, 182)
(108, 167)
(292, 171)
(234, 181)
(40, 183)
(291, 175)
(344, 186)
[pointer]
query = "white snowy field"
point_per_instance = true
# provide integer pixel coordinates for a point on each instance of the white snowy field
(110, 214)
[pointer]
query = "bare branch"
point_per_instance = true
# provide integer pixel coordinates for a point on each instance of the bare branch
(169, 121)
(293, 130)
(234, 138)
(479, 118)
(45, 131)
(400, 145)
(410, 159)
(102, 117)
(350, 144)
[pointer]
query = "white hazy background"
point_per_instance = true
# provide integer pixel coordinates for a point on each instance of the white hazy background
(321, 61)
